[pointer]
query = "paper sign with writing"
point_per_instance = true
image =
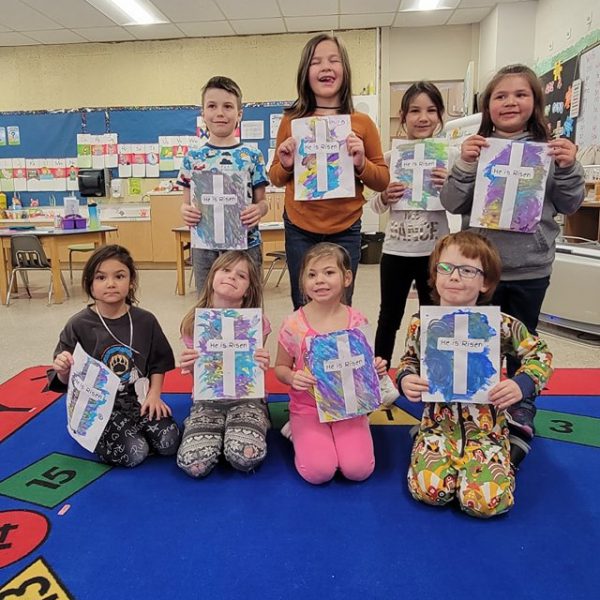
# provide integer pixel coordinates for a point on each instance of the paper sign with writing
(412, 163)
(347, 383)
(90, 398)
(226, 340)
(323, 168)
(221, 197)
(460, 352)
(510, 185)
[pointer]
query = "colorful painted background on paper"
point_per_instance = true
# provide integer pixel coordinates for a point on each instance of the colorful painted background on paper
(340, 170)
(434, 151)
(329, 392)
(490, 190)
(208, 370)
(440, 363)
(236, 235)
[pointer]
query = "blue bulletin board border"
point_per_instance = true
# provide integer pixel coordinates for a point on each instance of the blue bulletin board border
(53, 134)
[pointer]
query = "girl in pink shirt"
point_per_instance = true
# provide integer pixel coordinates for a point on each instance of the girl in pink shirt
(321, 448)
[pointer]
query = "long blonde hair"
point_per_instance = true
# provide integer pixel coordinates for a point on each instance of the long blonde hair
(306, 103)
(252, 299)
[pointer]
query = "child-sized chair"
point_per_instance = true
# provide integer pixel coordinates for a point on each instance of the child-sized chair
(28, 255)
(78, 248)
(278, 257)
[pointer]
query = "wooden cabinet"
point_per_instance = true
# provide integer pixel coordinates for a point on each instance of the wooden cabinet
(165, 214)
(136, 236)
(585, 223)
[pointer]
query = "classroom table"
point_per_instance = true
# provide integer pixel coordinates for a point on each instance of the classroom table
(52, 241)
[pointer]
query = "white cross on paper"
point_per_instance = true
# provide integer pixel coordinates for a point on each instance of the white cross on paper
(228, 345)
(418, 165)
(218, 200)
(86, 386)
(513, 173)
(461, 345)
(345, 364)
(321, 148)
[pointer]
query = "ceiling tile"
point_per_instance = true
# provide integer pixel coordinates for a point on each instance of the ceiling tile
(249, 9)
(56, 36)
(373, 6)
(190, 10)
(21, 17)
(160, 31)
(16, 39)
(308, 8)
(71, 13)
(312, 23)
(105, 34)
(371, 20)
(422, 19)
(206, 28)
(254, 26)
(478, 3)
(469, 15)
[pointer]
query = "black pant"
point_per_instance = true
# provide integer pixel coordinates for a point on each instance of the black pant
(396, 275)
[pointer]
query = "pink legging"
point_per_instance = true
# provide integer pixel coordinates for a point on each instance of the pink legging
(322, 448)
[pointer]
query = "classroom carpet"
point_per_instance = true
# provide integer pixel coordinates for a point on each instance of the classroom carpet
(71, 527)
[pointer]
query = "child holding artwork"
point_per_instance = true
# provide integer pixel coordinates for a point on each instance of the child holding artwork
(411, 234)
(513, 108)
(235, 428)
(324, 88)
(222, 113)
(322, 448)
(462, 450)
(130, 342)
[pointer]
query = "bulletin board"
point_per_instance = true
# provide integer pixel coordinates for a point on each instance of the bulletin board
(558, 88)
(588, 128)
(47, 135)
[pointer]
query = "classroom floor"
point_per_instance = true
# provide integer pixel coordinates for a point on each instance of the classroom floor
(30, 328)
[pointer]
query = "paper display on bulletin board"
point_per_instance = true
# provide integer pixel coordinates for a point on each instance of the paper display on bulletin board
(588, 122)
(558, 88)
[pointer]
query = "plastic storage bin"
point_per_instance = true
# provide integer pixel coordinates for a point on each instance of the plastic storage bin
(370, 247)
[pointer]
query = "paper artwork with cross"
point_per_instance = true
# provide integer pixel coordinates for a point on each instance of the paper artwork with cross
(226, 340)
(460, 352)
(323, 169)
(90, 398)
(411, 163)
(347, 383)
(221, 197)
(510, 185)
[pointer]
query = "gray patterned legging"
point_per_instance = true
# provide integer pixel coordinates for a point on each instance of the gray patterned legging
(129, 437)
(235, 428)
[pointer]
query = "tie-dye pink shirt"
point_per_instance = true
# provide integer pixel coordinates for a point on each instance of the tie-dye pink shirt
(294, 331)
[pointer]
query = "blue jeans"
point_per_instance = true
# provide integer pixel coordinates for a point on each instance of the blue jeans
(298, 241)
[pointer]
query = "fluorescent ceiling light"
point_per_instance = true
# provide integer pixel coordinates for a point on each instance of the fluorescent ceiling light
(130, 12)
(424, 5)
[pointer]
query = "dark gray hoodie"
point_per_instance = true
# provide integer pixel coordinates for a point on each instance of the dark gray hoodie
(524, 255)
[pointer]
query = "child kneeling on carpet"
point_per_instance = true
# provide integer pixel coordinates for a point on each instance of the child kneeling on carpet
(235, 428)
(321, 448)
(463, 450)
(131, 343)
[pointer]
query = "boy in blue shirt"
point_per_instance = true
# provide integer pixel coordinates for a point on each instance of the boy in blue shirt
(222, 112)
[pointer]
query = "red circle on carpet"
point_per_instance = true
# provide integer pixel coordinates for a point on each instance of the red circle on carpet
(21, 532)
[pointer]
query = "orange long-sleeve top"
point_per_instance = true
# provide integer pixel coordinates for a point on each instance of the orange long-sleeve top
(338, 214)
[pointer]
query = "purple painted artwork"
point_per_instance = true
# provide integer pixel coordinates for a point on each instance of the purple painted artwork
(347, 383)
(510, 185)
(226, 339)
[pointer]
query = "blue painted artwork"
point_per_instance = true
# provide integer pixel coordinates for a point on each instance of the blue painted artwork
(460, 352)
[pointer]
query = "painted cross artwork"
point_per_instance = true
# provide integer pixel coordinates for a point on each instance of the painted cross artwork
(411, 163)
(323, 168)
(347, 383)
(221, 197)
(226, 340)
(90, 398)
(460, 352)
(510, 184)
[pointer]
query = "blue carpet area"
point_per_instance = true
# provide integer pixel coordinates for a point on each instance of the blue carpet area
(152, 532)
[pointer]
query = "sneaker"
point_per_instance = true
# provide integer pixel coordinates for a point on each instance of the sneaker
(519, 449)
(389, 393)
(286, 431)
(520, 421)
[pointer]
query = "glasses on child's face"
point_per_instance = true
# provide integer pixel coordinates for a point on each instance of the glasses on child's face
(466, 271)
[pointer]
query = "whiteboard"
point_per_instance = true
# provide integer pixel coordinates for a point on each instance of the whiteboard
(588, 122)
